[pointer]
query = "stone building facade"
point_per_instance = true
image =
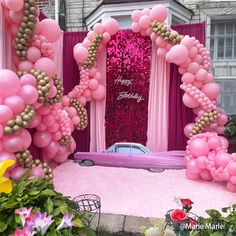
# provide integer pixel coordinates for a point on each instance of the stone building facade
(219, 16)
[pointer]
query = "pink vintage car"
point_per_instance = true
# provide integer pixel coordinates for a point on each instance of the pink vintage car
(133, 155)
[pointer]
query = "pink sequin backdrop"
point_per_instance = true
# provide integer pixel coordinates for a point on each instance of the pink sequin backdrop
(128, 74)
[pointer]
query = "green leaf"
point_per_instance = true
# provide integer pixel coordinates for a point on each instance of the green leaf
(64, 208)
(34, 192)
(213, 213)
(48, 192)
(49, 206)
(78, 223)
(217, 234)
(56, 212)
(17, 219)
(225, 209)
(3, 226)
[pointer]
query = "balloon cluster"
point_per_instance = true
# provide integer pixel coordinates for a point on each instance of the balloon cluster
(201, 94)
(85, 54)
(208, 159)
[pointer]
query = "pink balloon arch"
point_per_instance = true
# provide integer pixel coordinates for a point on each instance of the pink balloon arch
(33, 97)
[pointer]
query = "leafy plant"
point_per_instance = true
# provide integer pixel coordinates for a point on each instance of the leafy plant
(41, 196)
(217, 224)
(230, 128)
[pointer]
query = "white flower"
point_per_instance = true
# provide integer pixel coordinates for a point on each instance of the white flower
(169, 232)
(153, 231)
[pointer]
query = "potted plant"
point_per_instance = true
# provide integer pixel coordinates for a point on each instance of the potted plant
(230, 133)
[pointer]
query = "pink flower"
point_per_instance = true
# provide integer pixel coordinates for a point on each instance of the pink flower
(25, 215)
(66, 221)
(26, 231)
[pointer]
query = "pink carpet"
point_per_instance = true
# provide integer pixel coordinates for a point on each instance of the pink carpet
(139, 192)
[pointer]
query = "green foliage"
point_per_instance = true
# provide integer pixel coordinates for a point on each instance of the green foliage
(40, 195)
(230, 128)
(218, 224)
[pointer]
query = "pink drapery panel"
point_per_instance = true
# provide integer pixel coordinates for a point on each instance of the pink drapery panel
(97, 111)
(5, 45)
(157, 133)
(179, 114)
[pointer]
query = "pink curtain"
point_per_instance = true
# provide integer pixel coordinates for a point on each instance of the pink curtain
(179, 114)
(157, 133)
(97, 112)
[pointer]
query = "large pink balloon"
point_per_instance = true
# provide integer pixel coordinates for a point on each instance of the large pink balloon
(187, 129)
(33, 54)
(222, 159)
(14, 5)
(201, 75)
(16, 16)
(29, 94)
(232, 168)
(206, 175)
(80, 54)
(212, 90)
(231, 187)
(37, 172)
(61, 155)
(16, 104)
(13, 143)
(8, 156)
(50, 29)
(159, 13)
(144, 21)
(99, 93)
(187, 42)
(9, 83)
(36, 121)
(193, 67)
(177, 54)
(51, 150)
(46, 65)
(199, 147)
(201, 162)
(111, 26)
(188, 78)
(192, 176)
(25, 66)
(5, 113)
(26, 137)
(189, 101)
(42, 138)
(192, 167)
(93, 84)
(136, 15)
(17, 173)
(214, 142)
(28, 79)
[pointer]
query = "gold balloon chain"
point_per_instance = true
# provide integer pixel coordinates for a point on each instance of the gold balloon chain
(59, 86)
(65, 140)
(82, 113)
(25, 32)
(164, 32)
(203, 121)
(25, 160)
(92, 51)
(21, 121)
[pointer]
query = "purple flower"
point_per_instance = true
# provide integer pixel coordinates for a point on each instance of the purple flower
(41, 222)
(25, 215)
(66, 221)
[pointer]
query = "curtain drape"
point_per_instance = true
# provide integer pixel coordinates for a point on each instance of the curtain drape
(71, 78)
(157, 132)
(179, 114)
(97, 111)
(58, 47)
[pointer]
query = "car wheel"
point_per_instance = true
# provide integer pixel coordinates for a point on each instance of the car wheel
(86, 163)
(156, 170)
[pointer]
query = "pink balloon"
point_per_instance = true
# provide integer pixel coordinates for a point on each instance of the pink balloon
(98, 28)
(87, 93)
(33, 54)
(161, 52)
(51, 150)
(91, 35)
(111, 26)
(80, 54)
(46, 65)
(29, 94)
(26, 137)
(65, 101)
(177, 54)
(159, 13)
(197, 84)
(233, 180)
(224, 141)
(231, 187)
(14, 5)
(201, 75)
(99, 93)
(76, 120)
(220, 129)
(57, 136)
(55, 127)
(212, 90)
(82, 100)
(8, 156)
(146, 11)
(15, 103)
(37, 172)
(192, 167)
(160, 42)
(189, 101)
(136, 15)
(222, 119)
(145, 21)
(42, 138)
(1, 134)
(36, 121)
(106, 37)
(5, 113)
(52, 92)
(231, 167)
(201, 162)
(49, 120)
(193, 52)
(209, 78)
(193, 67)
(9, 83)
(187, 129)
(25, 66)
(50, 29)
(61, 155)
(199, 147)
(188, 78)
(187, 42)
(13, 143)
(93, 84)
(192, 176)
(214, 142)
(222, 159)
(135, 27)
(206, 175)
(16, 16)
(17, 173)
(44, 110)
(97, 76)
(28, 79)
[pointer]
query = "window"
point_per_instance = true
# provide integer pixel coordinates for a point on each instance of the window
(137, 150)
(223, 41)
(123, 149)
